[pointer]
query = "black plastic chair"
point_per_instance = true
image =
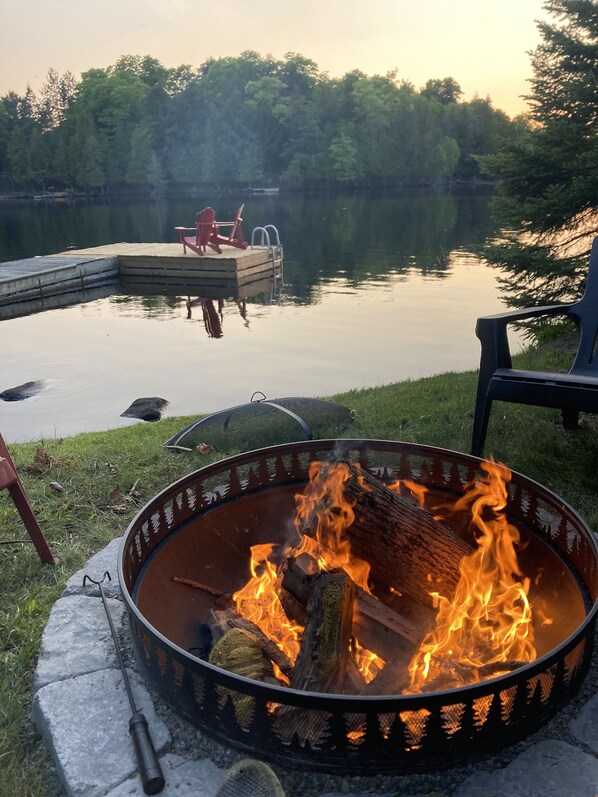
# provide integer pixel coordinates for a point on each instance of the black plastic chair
(572, 393)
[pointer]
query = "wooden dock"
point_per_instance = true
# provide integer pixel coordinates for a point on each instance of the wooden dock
(157, 268)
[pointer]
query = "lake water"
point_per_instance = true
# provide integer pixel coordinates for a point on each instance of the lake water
(376, 289)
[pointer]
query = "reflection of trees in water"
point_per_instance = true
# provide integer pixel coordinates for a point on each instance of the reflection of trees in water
(154, 305)
(362, 237)
(358, 236)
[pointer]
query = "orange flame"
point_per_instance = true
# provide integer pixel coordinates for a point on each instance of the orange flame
(258, 601)
(489, 618)
(326, 512)
(488, 621)
(368, 662)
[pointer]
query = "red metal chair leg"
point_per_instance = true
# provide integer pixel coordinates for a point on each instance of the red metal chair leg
(9, 479)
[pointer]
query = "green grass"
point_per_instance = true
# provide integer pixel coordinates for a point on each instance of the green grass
(107, 476)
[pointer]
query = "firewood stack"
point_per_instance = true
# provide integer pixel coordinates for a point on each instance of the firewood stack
(411, 554)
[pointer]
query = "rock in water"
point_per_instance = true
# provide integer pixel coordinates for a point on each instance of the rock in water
(146, 409)
(22, 392)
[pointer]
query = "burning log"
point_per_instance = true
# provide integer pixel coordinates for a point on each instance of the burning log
(446, 674)
(321, 665)
(375, 625)
(355, 682)
(240, 652)
(412, 550)
(220, 621)
(393, 679)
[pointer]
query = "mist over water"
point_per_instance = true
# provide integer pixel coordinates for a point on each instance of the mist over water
(375, 289)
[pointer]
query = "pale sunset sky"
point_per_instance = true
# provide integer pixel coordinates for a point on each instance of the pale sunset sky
(484, 46)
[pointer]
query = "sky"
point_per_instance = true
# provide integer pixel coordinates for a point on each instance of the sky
(483, 45)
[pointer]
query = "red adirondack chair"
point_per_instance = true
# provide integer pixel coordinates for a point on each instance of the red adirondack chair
(207, 232)
(9, 480)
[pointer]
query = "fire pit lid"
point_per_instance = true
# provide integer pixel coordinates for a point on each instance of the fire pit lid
(264, 422)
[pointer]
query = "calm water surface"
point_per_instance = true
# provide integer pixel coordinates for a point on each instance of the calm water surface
(376, 289)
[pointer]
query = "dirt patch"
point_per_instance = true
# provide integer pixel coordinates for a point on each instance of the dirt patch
(567, 344)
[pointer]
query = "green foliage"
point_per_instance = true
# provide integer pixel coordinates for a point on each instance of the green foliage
(242, 119)
(445, 90)
(554, 279)
(548, 196)
(344, 163)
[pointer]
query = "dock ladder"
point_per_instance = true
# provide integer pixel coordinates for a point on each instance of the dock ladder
(260, 236)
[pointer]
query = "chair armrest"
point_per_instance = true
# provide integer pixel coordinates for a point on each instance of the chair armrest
(512, 316)
(186, 229)
(492, 332)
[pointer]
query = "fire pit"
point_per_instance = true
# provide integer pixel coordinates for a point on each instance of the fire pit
(202, 529)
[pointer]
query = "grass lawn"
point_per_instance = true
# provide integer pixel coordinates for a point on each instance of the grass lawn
(107, 476)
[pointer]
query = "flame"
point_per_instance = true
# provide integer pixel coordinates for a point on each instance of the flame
(368, 662)
(258, 601)
(488, 620)
(326, 512)
(487, 623)
(418, 491)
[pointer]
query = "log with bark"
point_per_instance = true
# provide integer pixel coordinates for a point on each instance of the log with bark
(405, 545)
(321, 665)
(375, 625)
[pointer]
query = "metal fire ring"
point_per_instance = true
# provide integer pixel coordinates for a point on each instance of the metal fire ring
(342, 733)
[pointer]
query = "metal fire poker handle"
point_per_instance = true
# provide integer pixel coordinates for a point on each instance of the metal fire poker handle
(148, 764)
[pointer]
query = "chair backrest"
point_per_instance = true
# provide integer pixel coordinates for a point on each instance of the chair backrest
(204, 225)
(238, 221)
(585, 311)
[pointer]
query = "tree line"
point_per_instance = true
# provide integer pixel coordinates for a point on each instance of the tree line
(547, 198)
(250, 120)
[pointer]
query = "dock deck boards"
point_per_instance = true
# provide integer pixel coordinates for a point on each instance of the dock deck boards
(13, 269)
(241, 258)
(51, 275)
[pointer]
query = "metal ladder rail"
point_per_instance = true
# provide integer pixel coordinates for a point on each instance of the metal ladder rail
(276, 250)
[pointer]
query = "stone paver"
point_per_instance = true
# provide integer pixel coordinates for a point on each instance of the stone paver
(69, 647)
(105, 560)
(183, 778)
(584, 726)
(547, 769)
(85, 723)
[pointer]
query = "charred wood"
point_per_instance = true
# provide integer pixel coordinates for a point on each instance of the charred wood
(375, 625)
(404, 544)
(322, 662)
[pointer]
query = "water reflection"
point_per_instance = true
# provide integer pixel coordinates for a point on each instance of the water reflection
(361, 235)
(376, 289)
(161, 297)
(212, 318)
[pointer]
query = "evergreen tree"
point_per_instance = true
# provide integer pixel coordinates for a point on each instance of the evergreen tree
(549, 172)
(18, 157)
(56, 96)
(140, 155)
(39, 157)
